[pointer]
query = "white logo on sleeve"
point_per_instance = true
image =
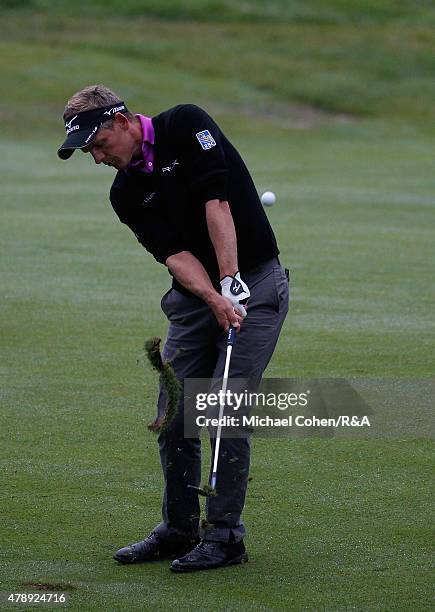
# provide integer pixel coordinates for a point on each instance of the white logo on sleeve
(206, 140)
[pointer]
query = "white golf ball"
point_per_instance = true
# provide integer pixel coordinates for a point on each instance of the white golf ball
(268, 198)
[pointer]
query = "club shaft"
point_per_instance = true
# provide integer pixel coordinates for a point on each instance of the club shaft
(221, 412)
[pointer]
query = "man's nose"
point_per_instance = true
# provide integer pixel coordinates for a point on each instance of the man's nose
(98, 156)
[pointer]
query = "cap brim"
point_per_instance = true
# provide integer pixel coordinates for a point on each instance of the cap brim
(76, 140)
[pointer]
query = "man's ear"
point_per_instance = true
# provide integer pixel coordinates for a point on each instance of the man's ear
(121, 120)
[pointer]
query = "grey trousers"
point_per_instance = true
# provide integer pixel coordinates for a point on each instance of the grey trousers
(196, 347)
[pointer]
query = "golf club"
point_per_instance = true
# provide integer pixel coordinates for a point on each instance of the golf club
(210, 490)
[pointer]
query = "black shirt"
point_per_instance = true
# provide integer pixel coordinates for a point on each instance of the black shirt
(193, 163)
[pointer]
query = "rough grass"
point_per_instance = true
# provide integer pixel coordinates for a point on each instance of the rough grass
(302, 11)
(363, 70)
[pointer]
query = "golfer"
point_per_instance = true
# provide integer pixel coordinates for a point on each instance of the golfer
(186, 194)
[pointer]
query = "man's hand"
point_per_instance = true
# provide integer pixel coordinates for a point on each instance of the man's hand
(190, 272)
(224, 312)
(236, 291)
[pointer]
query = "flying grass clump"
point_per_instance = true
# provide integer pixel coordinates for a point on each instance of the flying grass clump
(206, 490)
(169, 381)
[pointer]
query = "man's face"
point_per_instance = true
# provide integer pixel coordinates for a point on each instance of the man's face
(113, 146)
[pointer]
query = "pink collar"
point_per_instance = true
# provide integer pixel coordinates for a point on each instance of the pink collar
(146, 162)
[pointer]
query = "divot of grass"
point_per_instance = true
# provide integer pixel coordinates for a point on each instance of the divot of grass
(169, 382)
(47, 586)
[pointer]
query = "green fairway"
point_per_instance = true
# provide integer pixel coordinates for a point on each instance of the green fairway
(332, 524)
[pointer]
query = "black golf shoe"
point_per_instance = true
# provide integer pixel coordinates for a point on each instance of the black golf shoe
(153, 548)
(211, 555)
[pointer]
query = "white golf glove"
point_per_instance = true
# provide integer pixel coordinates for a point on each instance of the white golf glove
(236, 291)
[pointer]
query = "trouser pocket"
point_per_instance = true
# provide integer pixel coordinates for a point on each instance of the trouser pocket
(281, 279)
